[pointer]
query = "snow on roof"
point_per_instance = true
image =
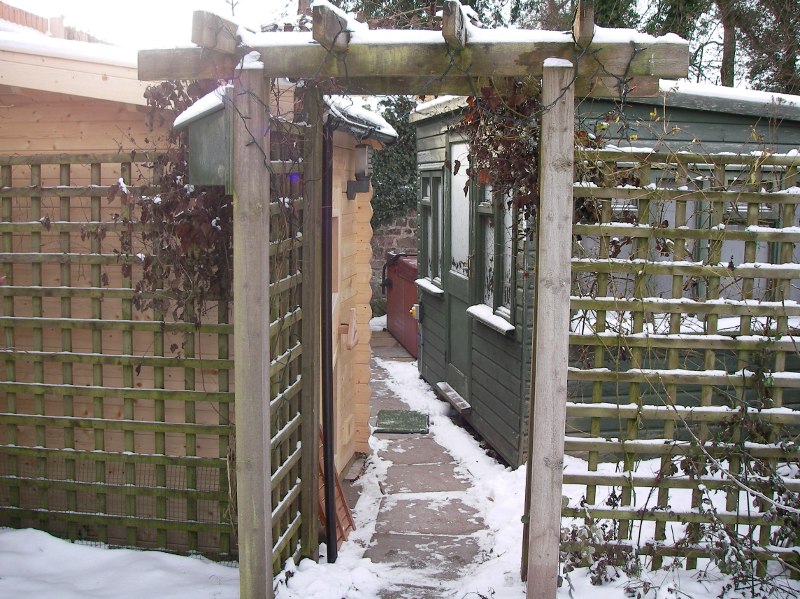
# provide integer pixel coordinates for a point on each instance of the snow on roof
(360, 121)
(12, 27)
(718, 98)
(33, 42)
(680, 94)
(206, 105)
(343, 108)
(439, 105)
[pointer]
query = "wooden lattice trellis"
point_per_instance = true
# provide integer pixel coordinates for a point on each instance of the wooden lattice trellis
(684, 347)
(286, 349)
(108, 433)
(118, 424)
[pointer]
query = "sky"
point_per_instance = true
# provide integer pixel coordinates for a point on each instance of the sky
(151, 23)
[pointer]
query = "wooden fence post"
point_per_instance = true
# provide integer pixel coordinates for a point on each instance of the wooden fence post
(312, 359)
(551, 345)
(251, 184)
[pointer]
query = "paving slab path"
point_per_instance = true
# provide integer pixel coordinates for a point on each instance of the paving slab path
(423, 524)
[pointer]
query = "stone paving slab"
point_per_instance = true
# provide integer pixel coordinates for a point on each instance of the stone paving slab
(388, 403)
(445, 516)
(417, 449)
(423, 478)
(409, 591)
(442, 556)
(423, 527)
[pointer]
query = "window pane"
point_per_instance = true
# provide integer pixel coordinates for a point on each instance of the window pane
(426, 227)
(509, 242)
(459, 211)
(488, 260)
(428, 241)
(438, 226)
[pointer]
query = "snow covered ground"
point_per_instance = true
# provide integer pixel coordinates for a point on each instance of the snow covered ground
(34, 565)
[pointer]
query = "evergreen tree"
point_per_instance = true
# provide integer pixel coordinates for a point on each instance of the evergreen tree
(677, 16)
(769, 36)
(394, 179)
(558, 14)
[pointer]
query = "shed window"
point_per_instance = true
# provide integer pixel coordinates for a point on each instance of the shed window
(431, 230)
(459, 211)
(497, 240)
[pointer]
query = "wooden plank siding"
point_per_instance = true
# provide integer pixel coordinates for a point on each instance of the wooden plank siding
(703, 131)
(352, 272)
(37, 122)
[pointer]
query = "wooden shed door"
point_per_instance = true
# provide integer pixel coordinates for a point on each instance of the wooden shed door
(457, 272)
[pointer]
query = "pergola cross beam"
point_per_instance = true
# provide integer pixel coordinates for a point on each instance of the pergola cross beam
(454, 24)
(330, 28)
(458, 60)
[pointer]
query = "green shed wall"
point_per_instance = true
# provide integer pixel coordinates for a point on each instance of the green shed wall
(499, 380)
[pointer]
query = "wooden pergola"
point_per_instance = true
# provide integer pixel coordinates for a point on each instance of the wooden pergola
(588, 61)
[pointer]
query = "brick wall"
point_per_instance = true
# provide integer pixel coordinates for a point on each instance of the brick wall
(399, 235)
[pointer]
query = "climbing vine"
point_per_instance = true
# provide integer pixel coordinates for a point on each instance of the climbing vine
(187, 237)
(503, 134)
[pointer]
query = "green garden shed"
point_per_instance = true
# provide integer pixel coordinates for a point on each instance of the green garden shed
(476, 259)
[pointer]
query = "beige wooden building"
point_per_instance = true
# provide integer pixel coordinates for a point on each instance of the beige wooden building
(354, 134)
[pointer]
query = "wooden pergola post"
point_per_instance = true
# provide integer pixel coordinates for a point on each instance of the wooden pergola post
(551, 345)
(312, 348)
(251, 185)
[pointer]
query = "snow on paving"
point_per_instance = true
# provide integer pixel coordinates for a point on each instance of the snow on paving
(35, 565)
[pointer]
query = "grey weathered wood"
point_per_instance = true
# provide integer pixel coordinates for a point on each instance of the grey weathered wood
(186, 63)
(251, 185)
(416, 56)
(583, 25)
(454, 24)
(330, 28)
(213, 32)
(551, 357)
(311, 372)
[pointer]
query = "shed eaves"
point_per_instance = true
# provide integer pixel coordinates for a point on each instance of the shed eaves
(678, 94)
(362, 123)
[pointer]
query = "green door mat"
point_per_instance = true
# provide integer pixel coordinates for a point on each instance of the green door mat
(401, 421)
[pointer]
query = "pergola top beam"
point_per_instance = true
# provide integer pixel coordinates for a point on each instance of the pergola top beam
(454, 24)
(583, 25)
(330, 28)
(461, 58)
(380, 53)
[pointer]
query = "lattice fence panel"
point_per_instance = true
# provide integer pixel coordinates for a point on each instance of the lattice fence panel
(116, 423)
(685, 341)
(286, 350)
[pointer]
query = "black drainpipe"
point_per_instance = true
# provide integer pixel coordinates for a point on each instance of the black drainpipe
(327, 346)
